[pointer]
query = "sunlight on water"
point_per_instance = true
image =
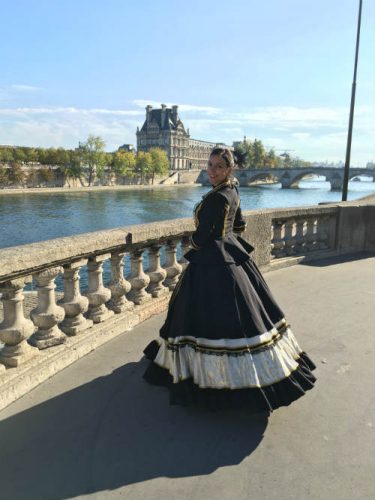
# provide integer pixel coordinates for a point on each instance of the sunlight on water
(26, 218)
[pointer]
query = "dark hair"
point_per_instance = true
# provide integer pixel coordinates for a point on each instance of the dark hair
(226, 154)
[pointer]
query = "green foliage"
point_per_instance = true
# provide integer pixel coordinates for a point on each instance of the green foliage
(143, 164)
(92, 157)
(258, 157)
(16, 175)
(45, 174)
(160, 163)
(19, 155)
(32, 177)
(3, 175)
(6, 154)
(123, 163)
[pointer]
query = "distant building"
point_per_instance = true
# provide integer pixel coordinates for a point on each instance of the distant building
(127, 147)
(164, 129)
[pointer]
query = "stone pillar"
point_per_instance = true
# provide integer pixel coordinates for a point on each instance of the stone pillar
(289, 238)
(286, 181)
(47, 314)
(278, 243)
(185, 245)
(156, 273)
(138, 279)
(97, 294)
(172, 267)
(119, 286)
(73, 302)
(311, 237)
(15, 328)
(336, 181)
(323, 232)
(300, 236)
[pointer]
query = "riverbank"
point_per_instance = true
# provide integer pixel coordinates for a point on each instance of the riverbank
(89, 189)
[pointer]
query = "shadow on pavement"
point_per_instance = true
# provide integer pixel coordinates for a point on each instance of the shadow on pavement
(114, 431)
(339, 259)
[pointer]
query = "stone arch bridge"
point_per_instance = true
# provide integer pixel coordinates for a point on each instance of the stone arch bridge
(290, 177)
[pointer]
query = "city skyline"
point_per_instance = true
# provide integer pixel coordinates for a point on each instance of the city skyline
(81, 68)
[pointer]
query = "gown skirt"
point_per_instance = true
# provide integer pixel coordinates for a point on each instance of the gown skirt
(226, 343)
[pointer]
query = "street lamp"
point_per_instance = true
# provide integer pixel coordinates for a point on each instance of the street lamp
(351, 114)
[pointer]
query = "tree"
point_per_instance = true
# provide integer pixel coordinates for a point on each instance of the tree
(259, 154)
(45, 174)
(92, 156)
(6, 155)
(270, 159)
(32, 155)
(160, 163)
(32, 177)
(16, 174)
(3, 175)
(19, 155)
(143, 164)
(72, 168)
(123, 163)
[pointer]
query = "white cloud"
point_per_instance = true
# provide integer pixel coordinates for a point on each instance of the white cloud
(312, 133)
(185, 108)
(66, 126)
(24, 88)
(68, 111)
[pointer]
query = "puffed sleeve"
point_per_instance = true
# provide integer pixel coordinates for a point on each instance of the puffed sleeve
(239, 224)
(211, 220)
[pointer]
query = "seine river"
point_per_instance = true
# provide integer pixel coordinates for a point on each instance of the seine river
(26, 218)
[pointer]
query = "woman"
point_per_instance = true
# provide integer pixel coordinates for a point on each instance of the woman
(225, 342)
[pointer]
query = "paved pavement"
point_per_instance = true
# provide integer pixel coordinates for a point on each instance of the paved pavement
(97, 430)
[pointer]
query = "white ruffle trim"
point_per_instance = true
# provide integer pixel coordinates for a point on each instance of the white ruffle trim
(223, 371)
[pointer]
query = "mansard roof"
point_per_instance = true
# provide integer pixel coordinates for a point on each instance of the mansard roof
(171, 121)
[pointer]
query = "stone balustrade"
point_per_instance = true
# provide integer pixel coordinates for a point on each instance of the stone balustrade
(81, 320)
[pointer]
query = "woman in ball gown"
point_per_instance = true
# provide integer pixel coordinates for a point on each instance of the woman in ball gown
(225, 342)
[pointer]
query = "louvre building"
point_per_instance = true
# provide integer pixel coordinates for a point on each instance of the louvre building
(164, 129)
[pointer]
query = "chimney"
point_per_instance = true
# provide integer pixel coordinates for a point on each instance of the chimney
(163, 108)
(174, 112)
(148, 113)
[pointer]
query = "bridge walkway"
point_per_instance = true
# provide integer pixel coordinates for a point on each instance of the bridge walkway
(96, 430)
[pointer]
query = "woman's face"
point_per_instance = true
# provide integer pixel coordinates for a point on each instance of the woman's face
(217, 170)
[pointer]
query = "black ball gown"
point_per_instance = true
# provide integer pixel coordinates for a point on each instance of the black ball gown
(225, 342)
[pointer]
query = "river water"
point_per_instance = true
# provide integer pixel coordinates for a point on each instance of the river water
(29, 217)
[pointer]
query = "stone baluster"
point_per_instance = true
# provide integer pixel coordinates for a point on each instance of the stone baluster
(324, 232)
(172, 267)
(97, 294)
(138, 278)
(73, 302)
(310, 236)
(185, 246)
(278, 241)
(300, 236)
(15, 328)
(289, 238)
(47, 314)
(119, 286)
(156, 273)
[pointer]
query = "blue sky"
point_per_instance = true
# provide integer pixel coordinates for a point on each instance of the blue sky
(277, 70)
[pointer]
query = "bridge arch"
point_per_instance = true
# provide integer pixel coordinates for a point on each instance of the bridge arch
(258, 177)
